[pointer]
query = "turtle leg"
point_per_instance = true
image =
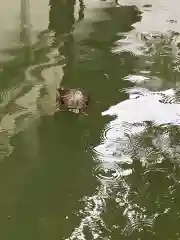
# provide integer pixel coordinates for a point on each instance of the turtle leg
(58, 107)
(61, 110)
(74, 110)
(83, 113)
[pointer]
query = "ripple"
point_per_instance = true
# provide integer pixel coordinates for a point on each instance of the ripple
(137, 92)
(138, 222)
(136, 78)
(94, 205)
(164, 170)
(117, 132)
(117, 141)
(5, 147)
(138, 226)
(162, 142)
(152, 37)
(169, 99)
(107, 172)
(169, 96)
(112, 149)
(10, 94)
(102, 151)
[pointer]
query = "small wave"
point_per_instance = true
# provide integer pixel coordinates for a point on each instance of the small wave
(139, 222)
(9, 95)
(119, 132)
(136, 78)
(108, 172)
(92, 224)
(152, 37)
(5, 147)
(153, 169)
(170, 99)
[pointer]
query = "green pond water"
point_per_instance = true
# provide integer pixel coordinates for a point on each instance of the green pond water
(115, 173)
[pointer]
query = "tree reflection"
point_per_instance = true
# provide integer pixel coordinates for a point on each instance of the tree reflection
(61, 21)
(61, 16)
(25, 34)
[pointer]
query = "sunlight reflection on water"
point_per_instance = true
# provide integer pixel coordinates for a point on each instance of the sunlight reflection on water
(134, 163)
(143, 128)
(23, 103)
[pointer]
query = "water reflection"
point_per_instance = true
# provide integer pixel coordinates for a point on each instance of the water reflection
(34, 93)
(61, 12)
(25, 31)
(138, 157)
(142, 140)
(152, 149)
(110, 174)
(132, 69)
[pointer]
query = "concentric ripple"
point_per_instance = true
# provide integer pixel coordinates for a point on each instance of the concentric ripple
(114, 135)
(107, 172)
(117, 131)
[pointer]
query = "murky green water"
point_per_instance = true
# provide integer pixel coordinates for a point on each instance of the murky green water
(113, 174)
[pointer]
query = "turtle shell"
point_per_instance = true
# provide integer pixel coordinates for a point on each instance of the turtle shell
(73, 98)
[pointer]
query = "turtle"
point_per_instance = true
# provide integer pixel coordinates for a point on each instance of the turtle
(74, 99)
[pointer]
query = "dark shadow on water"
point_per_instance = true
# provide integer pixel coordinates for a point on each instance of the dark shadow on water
(61, 16)
(61, 21)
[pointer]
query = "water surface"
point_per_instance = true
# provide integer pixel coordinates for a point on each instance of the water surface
(109, 175)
